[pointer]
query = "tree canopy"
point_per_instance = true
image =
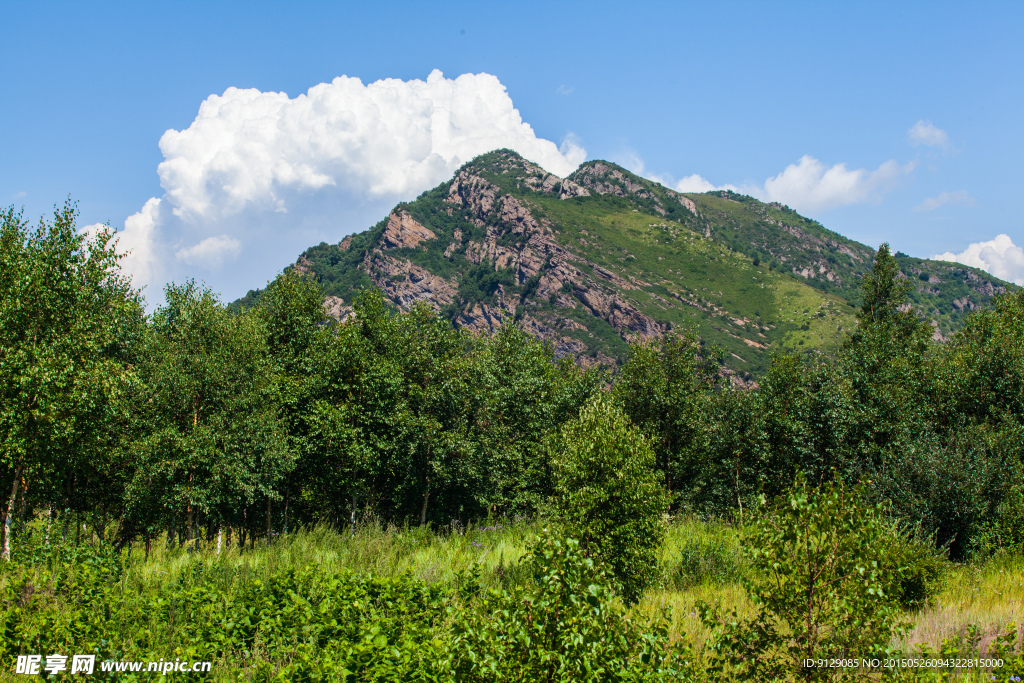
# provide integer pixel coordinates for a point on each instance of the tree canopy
(202, 419)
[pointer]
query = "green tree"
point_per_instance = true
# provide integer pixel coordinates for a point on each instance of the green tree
(821, 592)
(297, 332)
(982, 374)
(69, 325)
(392, 401)
(981, 394)
(666, 388)
(608, 493)
(209, 437)
(525, 396)
(800, 419)
(888, 362)
(884, 290)
(427, 423)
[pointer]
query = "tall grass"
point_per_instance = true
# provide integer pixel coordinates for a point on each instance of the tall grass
(987, 595)
(701, 561)
(436, 556)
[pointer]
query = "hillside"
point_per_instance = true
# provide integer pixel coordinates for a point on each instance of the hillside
(603, 258)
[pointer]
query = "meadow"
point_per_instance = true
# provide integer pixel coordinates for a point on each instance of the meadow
(52, 584)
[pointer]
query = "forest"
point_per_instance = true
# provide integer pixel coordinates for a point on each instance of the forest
(286, 470)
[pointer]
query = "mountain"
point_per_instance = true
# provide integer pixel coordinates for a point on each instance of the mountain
(603, 258)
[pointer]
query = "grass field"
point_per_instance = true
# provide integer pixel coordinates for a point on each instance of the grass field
(701, 561)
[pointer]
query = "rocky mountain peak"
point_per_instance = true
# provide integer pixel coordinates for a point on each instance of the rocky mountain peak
(604, 258)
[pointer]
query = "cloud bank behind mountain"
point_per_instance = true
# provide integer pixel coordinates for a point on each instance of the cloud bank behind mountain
(999, 256)
(259, 176)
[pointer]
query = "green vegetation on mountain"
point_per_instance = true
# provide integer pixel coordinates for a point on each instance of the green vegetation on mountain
(604, 258)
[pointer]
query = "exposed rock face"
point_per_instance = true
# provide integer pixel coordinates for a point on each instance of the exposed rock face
(302, 266)
(473, 192)
(514, 239)
(571, 189)
(515, 217)
(564, 345)
(406, 283)
(336, 308)
(481, 318)
(604, 179)
(403, 231)
(964, 304)
(685, 201)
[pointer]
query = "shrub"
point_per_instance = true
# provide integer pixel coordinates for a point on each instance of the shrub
(1006, 531)
(949, 485)
(967, 645)
(920, 566)
(311, 624)
(565, 626)
(820, 554)
(608, 494)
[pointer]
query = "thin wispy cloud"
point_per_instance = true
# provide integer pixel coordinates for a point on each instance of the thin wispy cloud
(211, 252)
(564, 90)
(629, 159)
(961, 197)
(928, 134)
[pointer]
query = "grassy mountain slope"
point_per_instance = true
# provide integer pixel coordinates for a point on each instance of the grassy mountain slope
(604, 257)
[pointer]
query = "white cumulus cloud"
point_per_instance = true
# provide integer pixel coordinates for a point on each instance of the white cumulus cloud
(957, 197)
(928, 134)
(696, 183)
(138, 241)
(388, 138)
(134, 243)
(691, 183)
(91, 231)
(258, 176)
(809, 185)
(999, 256)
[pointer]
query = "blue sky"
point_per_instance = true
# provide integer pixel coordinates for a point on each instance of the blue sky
(885, 121)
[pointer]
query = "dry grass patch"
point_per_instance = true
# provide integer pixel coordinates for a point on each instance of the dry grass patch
(987, 596)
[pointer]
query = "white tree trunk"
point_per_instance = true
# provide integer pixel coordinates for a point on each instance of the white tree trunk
(5, 541)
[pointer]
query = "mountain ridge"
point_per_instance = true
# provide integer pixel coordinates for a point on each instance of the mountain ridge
(603, 258)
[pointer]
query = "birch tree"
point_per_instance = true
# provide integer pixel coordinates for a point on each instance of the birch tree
(212, 441)
(69, 320)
